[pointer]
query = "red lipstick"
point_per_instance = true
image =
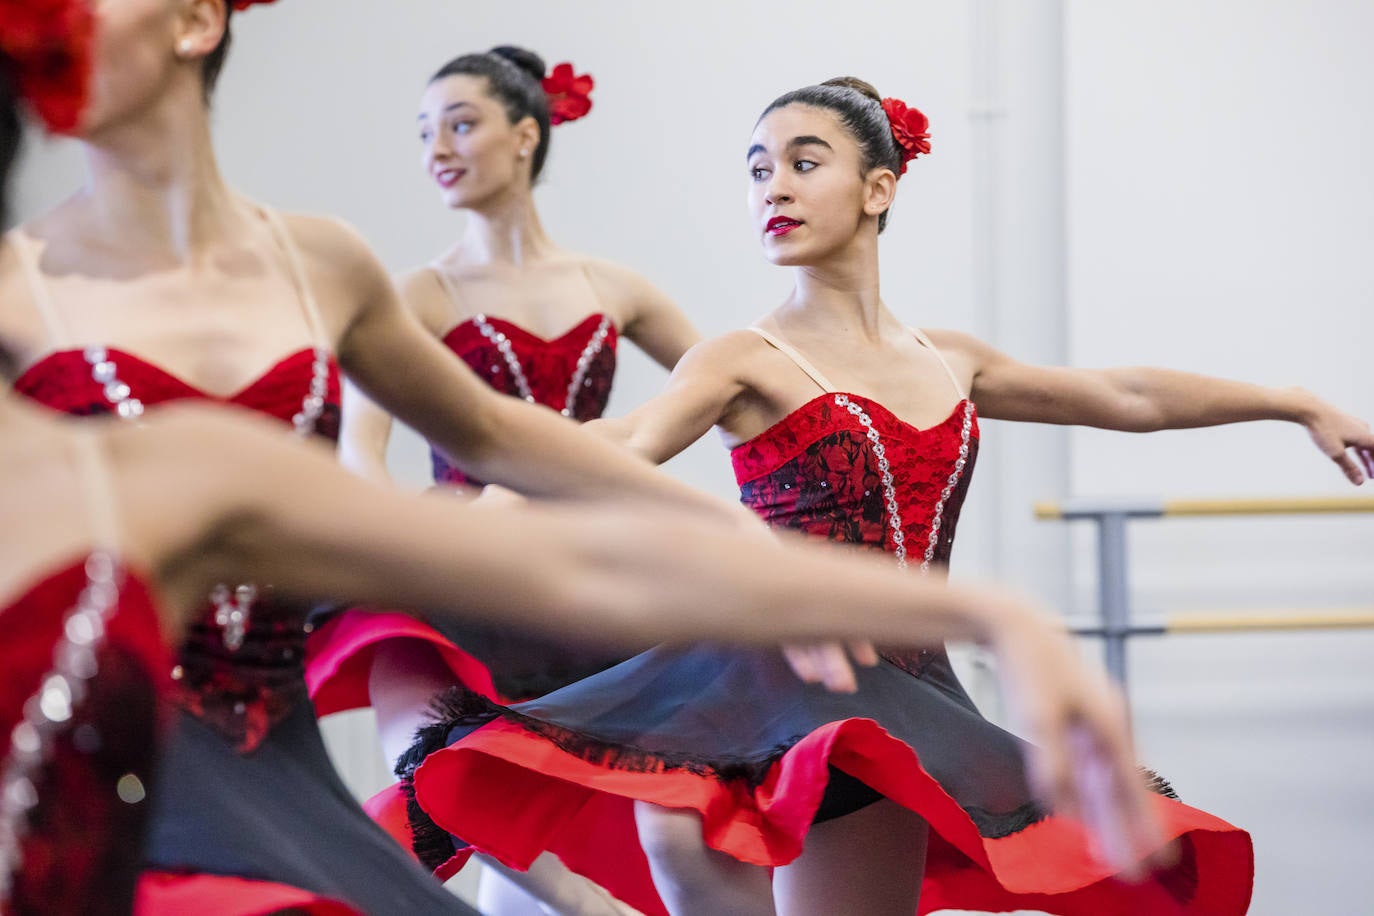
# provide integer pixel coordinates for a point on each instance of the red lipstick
(779, 226)
(447, 178)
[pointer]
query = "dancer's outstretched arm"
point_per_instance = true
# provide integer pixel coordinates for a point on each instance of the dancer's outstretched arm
(1145, 399)
(706, 385)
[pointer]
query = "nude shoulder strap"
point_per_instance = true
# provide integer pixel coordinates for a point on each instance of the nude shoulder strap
(299, 278)
(450, 288)
(954, 379)
(25, 249)
(801, 362)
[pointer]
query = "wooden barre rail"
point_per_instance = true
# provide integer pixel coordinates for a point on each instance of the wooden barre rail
(1301, 505)
(1112, 517)
(1257, 622)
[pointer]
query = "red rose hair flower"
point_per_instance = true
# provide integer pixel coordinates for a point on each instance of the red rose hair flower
(910, 129)
(240, 5)
(569, 94)
(49, 43)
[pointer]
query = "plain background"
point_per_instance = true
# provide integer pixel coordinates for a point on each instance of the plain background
(1171, 183)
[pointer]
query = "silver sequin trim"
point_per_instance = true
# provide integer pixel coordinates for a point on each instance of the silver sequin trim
(584, 363)
(503, 346)
(50, 710)
(894, 516)
(953, 481)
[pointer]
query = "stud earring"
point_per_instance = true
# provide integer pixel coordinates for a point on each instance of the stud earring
(184, 47)
(524, 154)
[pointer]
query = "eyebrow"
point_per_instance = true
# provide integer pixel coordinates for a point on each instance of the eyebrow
(447, 108)
(795, 142)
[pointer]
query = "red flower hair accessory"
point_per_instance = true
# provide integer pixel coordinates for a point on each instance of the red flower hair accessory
(910, 129)
(241, 5)
(569, 94)
(49, 42)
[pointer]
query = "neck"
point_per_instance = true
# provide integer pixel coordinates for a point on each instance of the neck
(840, 294)
(154, 182)
(506, 230)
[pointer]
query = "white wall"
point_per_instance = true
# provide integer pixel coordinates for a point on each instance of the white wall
(1220, 219)
(1127, 182)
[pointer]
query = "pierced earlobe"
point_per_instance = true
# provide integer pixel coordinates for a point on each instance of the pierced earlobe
(184, 47)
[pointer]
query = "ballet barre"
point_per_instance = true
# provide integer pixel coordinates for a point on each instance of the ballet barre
(1113, 587)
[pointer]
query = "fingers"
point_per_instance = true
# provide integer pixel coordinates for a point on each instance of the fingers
(864, 653)
(1351, 469)
(836, 672)
(802, 663)
(1367, 456)
(1050, 770)
(825, 663)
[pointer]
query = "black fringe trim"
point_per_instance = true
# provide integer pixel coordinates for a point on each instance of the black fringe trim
(432, 844)
(995, 826)
(459, 707)
(1158, 784)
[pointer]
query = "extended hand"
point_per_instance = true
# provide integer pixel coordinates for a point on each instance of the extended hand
(828, 663)
(1345, 439)
(1082, 763)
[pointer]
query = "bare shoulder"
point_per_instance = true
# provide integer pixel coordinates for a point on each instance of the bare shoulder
(739, 355)
(732, 346)
(952, 342)
(966, 354)
(342, 271)
(614, 278)
(330, 238)
(625, 289)
(423, 294)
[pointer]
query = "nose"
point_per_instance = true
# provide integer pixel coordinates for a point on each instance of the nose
(778, 190)
(440, 145)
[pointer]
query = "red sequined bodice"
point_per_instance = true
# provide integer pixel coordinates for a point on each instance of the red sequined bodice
(241, 693)
(549, 367)
(82, 853)
(817, 470)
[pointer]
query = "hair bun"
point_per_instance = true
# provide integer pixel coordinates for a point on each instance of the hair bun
(527, 61)
(858, 85)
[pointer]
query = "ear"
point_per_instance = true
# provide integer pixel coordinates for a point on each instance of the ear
(200, 27)
(527, 135)
(880, 190)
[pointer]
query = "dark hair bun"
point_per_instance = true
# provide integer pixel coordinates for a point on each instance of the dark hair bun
(858, 85)
(527, 61)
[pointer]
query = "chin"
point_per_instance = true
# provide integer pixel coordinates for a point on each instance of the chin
(786, 255)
